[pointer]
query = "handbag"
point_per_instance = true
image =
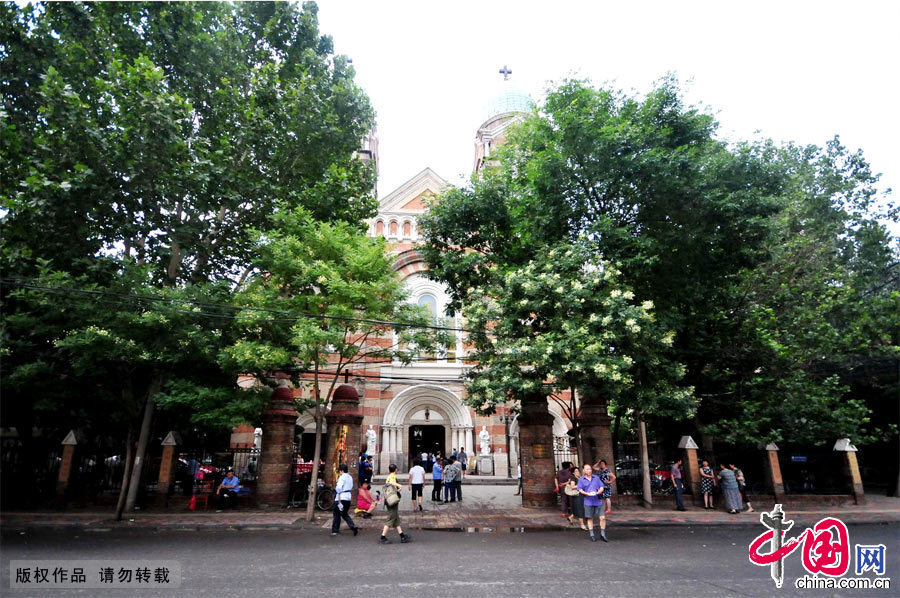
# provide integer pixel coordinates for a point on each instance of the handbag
(571, 490)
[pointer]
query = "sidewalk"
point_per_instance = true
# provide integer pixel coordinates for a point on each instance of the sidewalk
(472, 516)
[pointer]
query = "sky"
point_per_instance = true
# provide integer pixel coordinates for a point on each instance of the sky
(791, 71)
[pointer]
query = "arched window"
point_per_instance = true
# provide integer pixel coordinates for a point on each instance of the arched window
(429, 302)
(393, 228)
(407, 229)
(379, 228)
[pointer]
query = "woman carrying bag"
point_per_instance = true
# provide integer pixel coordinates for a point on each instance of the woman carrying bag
(392, 502)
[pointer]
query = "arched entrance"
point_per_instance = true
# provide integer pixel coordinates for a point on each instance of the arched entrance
(423, 417)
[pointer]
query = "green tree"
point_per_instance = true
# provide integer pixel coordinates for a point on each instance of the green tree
(345, 285)
(140, 143)
(691, 221)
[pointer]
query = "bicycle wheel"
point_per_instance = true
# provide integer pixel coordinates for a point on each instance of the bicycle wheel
(325, 499)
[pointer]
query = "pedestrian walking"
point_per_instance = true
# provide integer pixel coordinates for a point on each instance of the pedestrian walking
(519, 476)
(707, 483)
(742, 485)
(607, 477)
(679, 487)
(436, 476)
(416, 484)
(730, 489)
(392, 502)
(576, 499)
(343, 492)
(591, 488)
(559, 481)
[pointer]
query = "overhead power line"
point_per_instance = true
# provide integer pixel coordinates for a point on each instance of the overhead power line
(286, 316)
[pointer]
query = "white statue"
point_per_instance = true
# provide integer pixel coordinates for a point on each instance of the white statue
(485, 437)
(371, 437)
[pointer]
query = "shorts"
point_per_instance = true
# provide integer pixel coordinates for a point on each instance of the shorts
(393, 516)
(463, 466)
(591, 511)
(417, 490)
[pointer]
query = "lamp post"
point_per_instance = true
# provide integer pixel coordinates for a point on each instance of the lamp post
(508, 458)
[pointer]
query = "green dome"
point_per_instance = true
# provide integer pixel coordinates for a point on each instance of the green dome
(509, 100)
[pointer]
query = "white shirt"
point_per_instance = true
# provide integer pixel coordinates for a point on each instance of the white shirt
(344, 488)
(417, 475)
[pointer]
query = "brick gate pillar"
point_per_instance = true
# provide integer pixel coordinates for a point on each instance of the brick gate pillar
(274, 482)
(167, 468)
(344, 435)
(536, 450)
(691, 468)
(596, 432)
(851, 469)
(773, 470)
(65, 465)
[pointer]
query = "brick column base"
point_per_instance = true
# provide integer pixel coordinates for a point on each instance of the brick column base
(536, 450)
(274, 482)
(344, 435)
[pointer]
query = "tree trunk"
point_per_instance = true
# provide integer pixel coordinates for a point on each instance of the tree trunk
(645, 463)
(143, 441)
(126, 473)
(317, 454)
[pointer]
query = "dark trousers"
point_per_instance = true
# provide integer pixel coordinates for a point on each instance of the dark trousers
(226, 497)
(341, 514)
(564, 501)
(436, 491)
(450, 492)
(679, 492)
(458, 489)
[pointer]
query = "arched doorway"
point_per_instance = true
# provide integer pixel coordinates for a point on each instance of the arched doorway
(423, 417)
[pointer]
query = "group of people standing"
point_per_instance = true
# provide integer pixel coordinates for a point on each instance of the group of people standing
(447, 476)
(734, 486)
(585, 494)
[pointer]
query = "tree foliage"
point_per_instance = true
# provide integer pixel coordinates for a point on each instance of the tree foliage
(714, 233)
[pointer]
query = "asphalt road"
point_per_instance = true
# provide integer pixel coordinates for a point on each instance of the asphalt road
(650, 561)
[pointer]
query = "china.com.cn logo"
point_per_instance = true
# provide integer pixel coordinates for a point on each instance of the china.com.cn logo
(825, 550)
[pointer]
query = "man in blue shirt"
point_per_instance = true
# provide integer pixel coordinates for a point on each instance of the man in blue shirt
(436, 472)
(228, 490)
(592, 488)
(343, 493)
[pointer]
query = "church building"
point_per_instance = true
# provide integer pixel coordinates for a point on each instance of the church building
(419, 408)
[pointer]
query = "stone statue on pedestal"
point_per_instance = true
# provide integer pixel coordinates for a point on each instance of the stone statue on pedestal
(485, 437)
(371, 437)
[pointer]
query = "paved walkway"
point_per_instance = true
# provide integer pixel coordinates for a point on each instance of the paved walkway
(478, 512)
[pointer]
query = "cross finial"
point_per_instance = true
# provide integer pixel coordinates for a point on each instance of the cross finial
(506, 72)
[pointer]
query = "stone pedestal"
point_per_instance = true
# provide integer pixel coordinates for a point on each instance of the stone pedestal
(500, 463)
(691, 468)
(485, 464)
(773, 471)
(274, 482)
(65, 465)
(344, 435)
(536, 451)
(851, 469)
(167, 468)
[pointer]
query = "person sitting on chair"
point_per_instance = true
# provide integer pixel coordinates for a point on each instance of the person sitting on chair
(228, 490)
(365, 502)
